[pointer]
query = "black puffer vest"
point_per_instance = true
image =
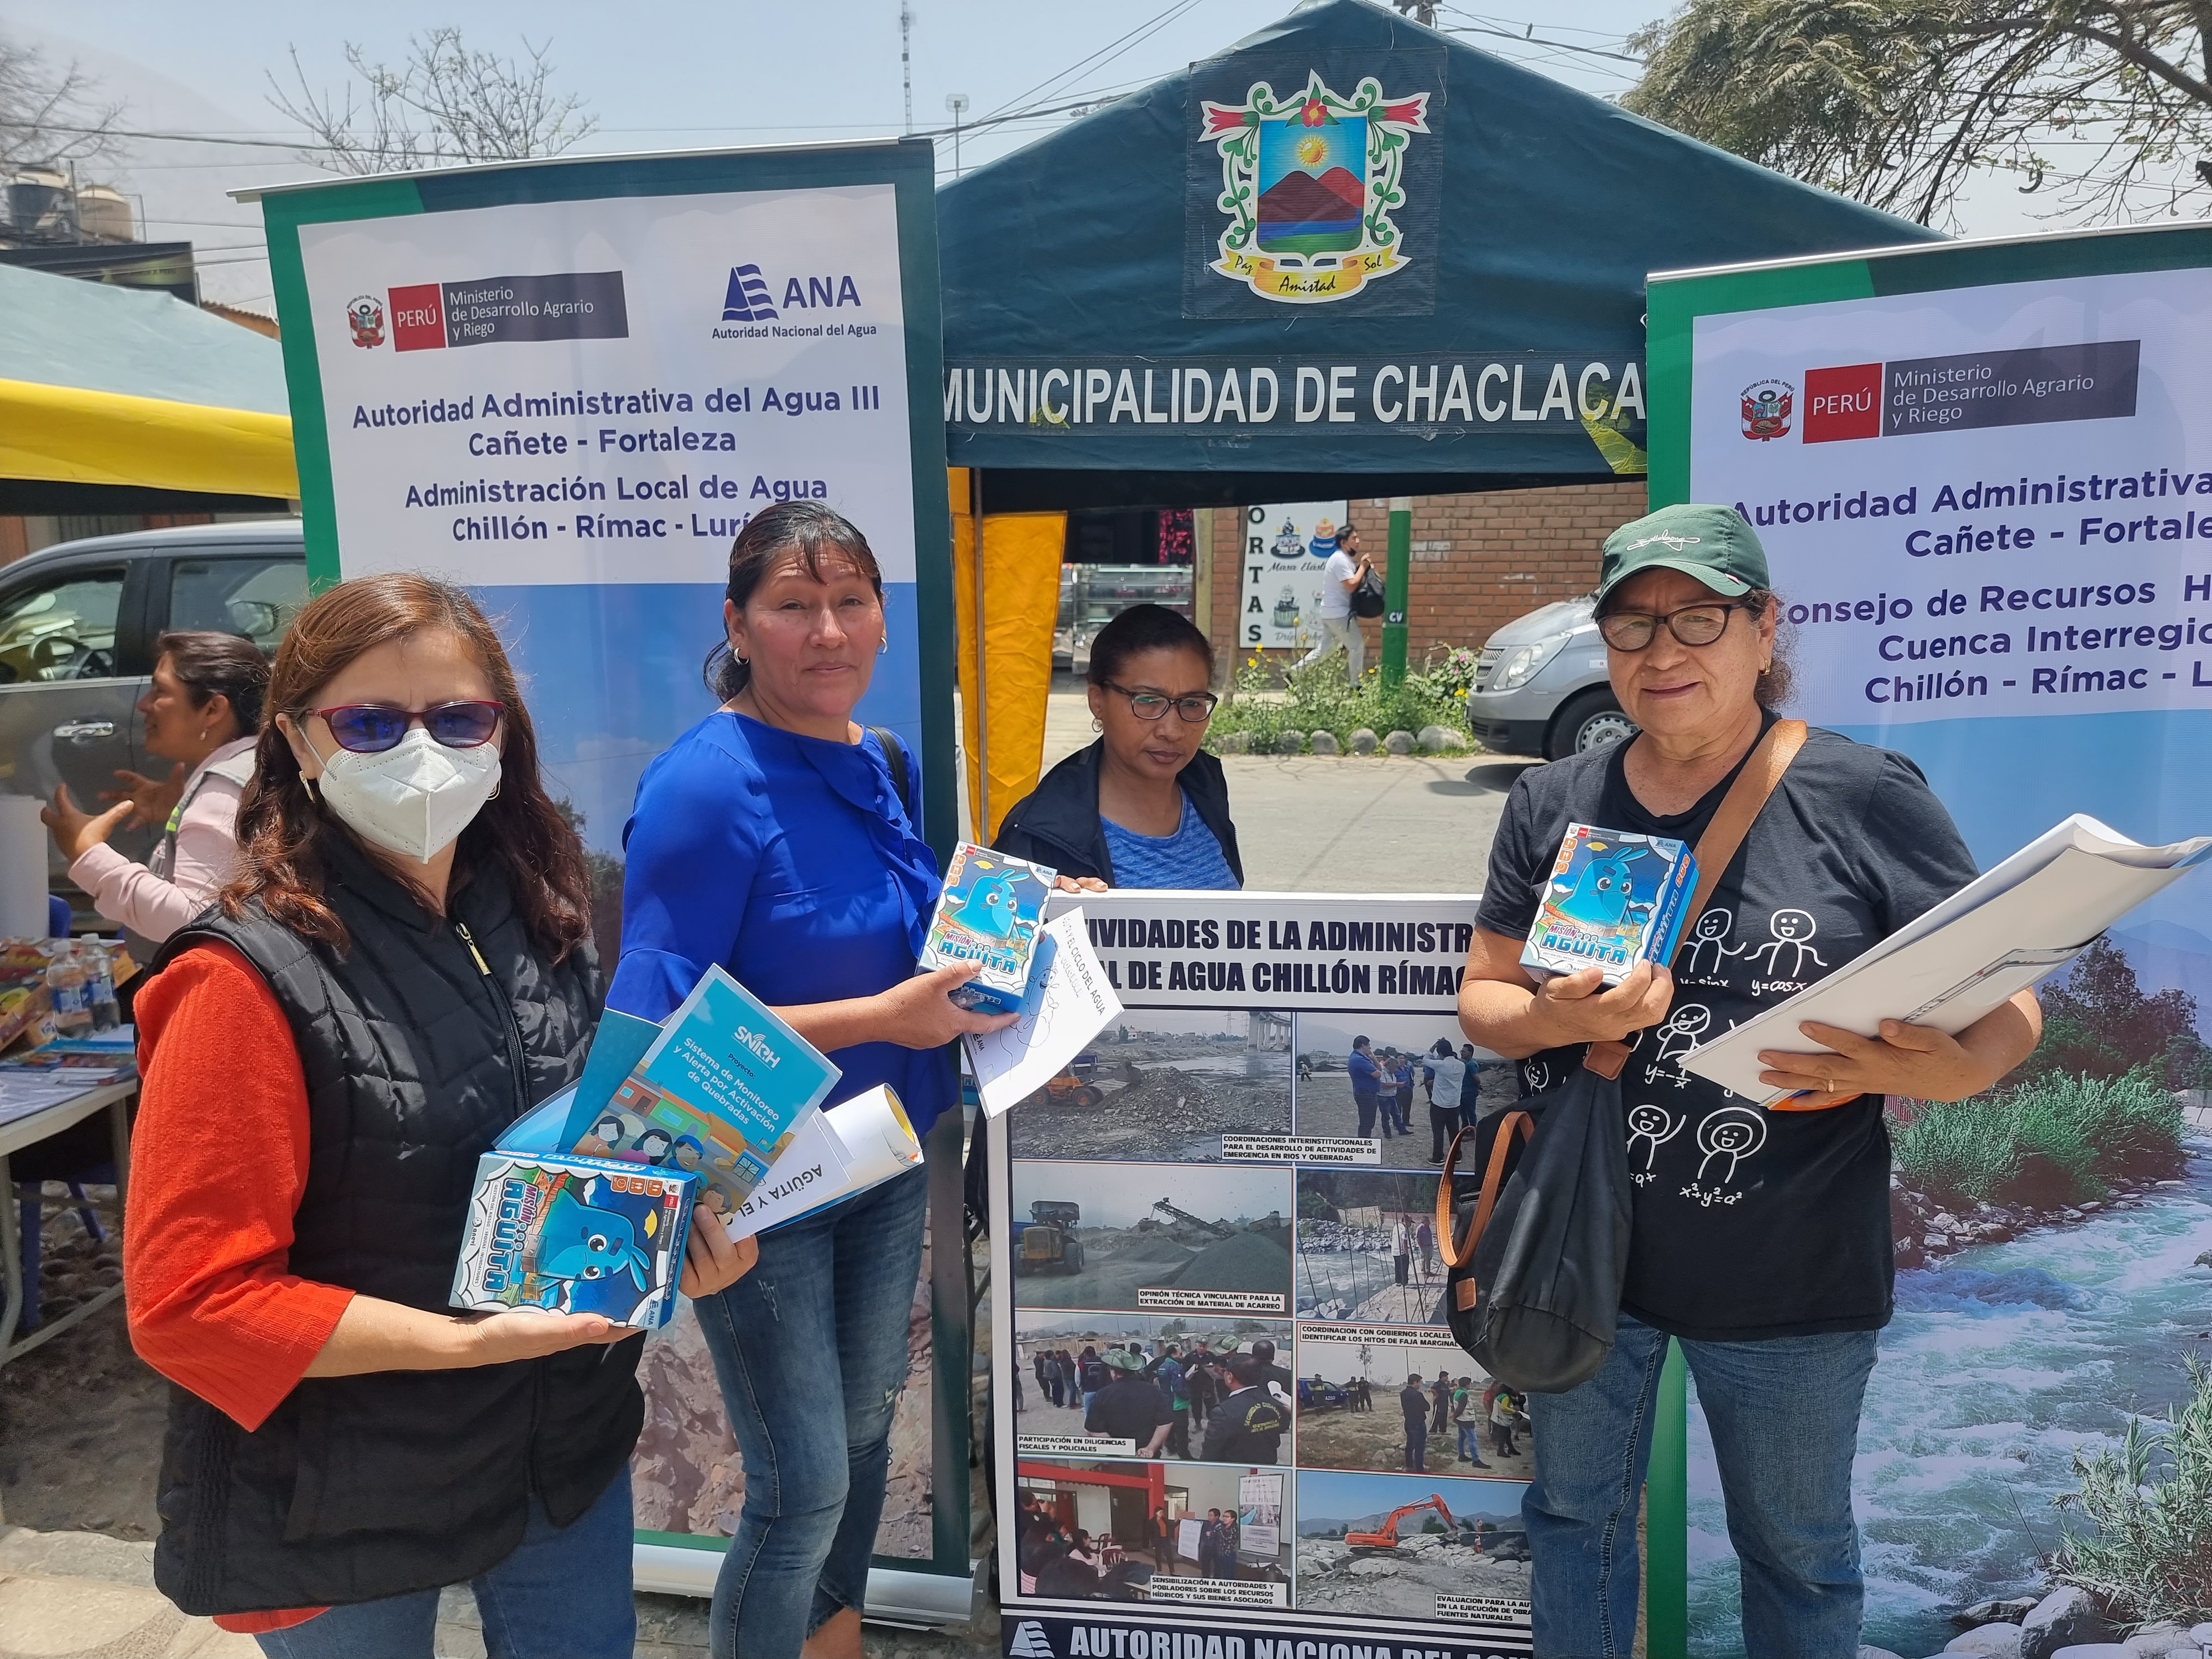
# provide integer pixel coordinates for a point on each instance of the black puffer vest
(358, 1487)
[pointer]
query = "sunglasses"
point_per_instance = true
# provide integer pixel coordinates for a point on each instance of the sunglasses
(370, 728)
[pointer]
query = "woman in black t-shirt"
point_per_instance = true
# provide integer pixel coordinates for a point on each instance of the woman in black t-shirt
(1761, 1237)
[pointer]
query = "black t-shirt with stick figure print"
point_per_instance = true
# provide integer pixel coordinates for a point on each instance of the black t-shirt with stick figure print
(1750, 1223)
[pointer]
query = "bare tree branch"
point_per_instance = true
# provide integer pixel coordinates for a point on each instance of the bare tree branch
(443, 103)
(51, 117)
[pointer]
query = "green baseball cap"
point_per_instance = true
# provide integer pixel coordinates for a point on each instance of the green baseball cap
(1122, 1359)
(1713, 543)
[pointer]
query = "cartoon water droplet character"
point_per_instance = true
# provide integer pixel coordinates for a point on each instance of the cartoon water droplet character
(1604, 893)
(1711, 932)
(577, 1240)
(990, 907)
(1654, 1125)
(1793, 931)
(1732, 1133)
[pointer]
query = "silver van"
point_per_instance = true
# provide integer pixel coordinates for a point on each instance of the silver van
(77, 626)
(1540, 686)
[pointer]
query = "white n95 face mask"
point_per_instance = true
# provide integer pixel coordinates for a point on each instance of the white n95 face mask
(412, 798)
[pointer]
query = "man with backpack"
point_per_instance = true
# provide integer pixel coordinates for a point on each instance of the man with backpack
(1340, 578)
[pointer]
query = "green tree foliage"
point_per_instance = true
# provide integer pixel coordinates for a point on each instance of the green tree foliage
(2099, 1022)
(2057, 1138)
(2104, 105)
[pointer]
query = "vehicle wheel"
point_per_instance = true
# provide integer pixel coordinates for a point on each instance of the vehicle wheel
(1088, 1096)
(1588, 721)
(1075, 1258)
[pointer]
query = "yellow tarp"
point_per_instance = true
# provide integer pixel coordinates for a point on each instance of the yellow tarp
(1005, 727)
(69, 435)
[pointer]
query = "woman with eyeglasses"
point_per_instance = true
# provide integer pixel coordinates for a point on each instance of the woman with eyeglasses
(400, 970)
(1761, 1237)
(1145, 806)
(782, 839)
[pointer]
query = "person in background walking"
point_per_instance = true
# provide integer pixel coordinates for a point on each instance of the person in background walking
(203, 711)
(1447, 1075)
(1415, 1405)
(1402, 1248)
(1339, 627)
(1366, 1086)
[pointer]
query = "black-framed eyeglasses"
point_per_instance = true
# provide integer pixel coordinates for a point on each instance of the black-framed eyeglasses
(1693, 624)
(1197, 707)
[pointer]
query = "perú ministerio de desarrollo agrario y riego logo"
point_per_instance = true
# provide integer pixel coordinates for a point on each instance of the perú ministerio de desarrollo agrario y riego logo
(1309, 184)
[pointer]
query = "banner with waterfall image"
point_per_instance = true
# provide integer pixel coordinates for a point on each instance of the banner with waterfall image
(1983, 475)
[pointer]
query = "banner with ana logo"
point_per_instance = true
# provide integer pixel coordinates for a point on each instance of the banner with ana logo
(1983, 475)
(568, 385)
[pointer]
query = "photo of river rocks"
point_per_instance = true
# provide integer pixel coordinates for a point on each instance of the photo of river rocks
(1367, 1247)
(1426, 1536)
(686, 1472)
(1164, 1084)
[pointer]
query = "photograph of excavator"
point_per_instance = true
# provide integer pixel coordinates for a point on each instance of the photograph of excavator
(1389, 1545)
(1151, 1237)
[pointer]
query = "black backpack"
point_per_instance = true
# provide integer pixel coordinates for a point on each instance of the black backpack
(1536, 1243)
(1367, 597)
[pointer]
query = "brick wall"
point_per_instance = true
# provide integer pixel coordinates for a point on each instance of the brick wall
(1478, 561)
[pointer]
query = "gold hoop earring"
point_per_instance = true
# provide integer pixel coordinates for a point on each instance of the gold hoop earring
(308, 784)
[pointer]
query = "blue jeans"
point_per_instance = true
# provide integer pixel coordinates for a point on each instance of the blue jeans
(1785, 1417)
(811, 1347)
(563, 1594)
(1470, 1444)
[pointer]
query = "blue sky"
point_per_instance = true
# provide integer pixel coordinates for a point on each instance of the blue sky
(676, 75)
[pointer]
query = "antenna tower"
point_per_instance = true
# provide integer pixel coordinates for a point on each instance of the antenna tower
(906, 58)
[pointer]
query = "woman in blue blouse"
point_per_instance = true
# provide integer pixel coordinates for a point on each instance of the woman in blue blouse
(771, 838)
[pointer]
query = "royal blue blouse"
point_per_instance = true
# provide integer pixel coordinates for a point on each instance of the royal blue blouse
(790, 861)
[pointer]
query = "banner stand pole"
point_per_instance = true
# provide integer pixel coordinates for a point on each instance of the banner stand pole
(982, 825)
(1666, 1526)
(1396, 581)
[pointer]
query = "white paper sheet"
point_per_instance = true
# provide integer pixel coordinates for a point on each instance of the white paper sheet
(1074, 1004)
(833, 1154)
(23, 1093)
(1994, 937)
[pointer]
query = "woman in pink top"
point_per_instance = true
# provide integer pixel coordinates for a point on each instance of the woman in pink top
(202, 712)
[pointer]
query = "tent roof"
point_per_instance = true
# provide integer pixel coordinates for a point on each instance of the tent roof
(1530, 214)
(59, 331)
(118, 400)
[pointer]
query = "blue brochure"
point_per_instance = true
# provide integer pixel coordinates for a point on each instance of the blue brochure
(616, 1047)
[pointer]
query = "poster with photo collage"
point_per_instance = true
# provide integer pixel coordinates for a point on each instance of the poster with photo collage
(1227, 1403)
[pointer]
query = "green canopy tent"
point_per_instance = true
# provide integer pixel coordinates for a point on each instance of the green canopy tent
(1351, 256)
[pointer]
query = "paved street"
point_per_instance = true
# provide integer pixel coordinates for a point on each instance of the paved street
(1376, 824)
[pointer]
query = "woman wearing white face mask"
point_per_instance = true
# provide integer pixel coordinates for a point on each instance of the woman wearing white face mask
(400, 970)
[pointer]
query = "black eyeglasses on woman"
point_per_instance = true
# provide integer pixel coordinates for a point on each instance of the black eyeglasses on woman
(1153, 705)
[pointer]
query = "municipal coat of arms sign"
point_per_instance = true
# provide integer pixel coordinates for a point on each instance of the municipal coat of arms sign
(1309, 184)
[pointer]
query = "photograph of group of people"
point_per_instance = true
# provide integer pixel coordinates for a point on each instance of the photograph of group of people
(1210, 1390)
(1115, 1531)
(1408, 1082)
(1422, 1407)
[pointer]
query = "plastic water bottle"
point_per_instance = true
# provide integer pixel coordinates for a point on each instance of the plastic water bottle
(65, 983)
(99, 986)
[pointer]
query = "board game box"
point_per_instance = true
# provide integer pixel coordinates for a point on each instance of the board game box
(574, 1235)
(1613, 900)
(989, 914)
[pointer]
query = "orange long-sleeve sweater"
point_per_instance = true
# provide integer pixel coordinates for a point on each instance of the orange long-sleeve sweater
(214, 1305)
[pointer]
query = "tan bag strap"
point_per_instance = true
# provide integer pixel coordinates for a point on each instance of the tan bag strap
(1716, 848)
(1459, 1251)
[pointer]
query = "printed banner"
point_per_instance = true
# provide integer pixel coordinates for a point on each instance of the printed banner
(1987, 505)
(1286, 550)
(1222, 1373)
(568, 385)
